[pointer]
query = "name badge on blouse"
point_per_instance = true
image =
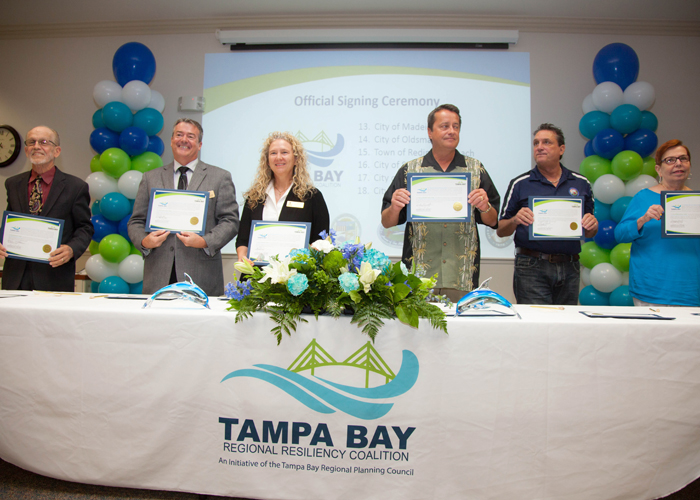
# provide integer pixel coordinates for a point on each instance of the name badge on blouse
(295, 204)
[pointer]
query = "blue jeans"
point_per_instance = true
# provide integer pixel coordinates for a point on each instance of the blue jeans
(538, 281)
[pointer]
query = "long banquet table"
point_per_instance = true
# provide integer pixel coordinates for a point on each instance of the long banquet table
(552, 405)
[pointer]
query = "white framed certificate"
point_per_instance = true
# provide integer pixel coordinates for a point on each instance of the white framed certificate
(681, 217)
(270, 238)
(556, 217)
(30, 237)
(176, 210)
(437, 197)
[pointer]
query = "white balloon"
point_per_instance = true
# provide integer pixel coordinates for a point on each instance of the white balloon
(157, 101)
(100, 184)
(131, 269)
(106, 91)
(607, 96)
(585, 276)
(626, 279)
(97, 268)
(136, 94)
(588, 105)
(638, 183)
(608, 188)
(129, 183)
(605, 277)
(641, 94)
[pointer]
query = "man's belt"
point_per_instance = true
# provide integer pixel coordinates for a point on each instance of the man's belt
(551, 257)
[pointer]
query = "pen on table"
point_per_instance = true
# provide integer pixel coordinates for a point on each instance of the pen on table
(654, 310)
(559, 308)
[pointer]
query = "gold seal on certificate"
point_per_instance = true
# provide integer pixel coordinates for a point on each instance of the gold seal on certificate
(457, 206)
(573, 226)
(194, 221)
(46, 248)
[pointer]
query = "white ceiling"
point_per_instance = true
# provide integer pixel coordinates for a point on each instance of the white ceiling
(24, 12)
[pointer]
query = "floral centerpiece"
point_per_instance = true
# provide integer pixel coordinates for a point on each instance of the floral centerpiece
(332, 279)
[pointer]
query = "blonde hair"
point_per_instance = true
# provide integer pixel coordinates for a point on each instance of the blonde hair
(302, 185)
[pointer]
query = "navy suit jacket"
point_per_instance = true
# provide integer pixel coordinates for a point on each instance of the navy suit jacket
(69, 200)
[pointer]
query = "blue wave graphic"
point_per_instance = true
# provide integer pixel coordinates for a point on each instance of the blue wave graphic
(292, 383)
(321, 158)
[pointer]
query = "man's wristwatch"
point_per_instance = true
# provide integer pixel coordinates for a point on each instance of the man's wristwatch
(484, 211)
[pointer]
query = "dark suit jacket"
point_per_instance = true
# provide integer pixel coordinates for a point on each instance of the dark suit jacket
(221, 227)
(315, 211)
(69, 200)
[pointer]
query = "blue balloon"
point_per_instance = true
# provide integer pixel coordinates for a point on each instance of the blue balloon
(608, 142)
(94, 286)
(136, 288)
(97, 120)
(593, 122)
(605, 237)
(150, 120)
(616, 63)
(133, 61)
(649, 121)
(115, 206)
(626, 118)
(103, 226)
(155, 145)
(601, 210)
(102, 139)
(642, 141)
(117, 116)
(589, 296)
(621, 297)
(123, 227)
(133, 140)
(619, 207)
(588, 149)
(113, 284)
(96, 208)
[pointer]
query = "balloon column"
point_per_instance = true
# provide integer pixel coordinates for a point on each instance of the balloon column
(621, 132)
(127, 145)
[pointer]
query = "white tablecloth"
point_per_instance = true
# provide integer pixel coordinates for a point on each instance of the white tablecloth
(551, 406)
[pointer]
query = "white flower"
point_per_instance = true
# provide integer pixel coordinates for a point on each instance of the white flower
(244, 267)
(403, 268)
(324, 246)
(368, 275)
(278, 270)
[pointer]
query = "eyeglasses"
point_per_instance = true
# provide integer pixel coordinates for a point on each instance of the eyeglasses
(671, 160)
(40, 142)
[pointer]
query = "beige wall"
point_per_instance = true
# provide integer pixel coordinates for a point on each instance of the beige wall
(50, 81)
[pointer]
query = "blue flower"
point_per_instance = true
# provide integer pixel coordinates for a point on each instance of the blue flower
(297, 284)
(238, 290)
(324, 234)
(353, 253)
(299, 251)
(349, 282)
(378, 260)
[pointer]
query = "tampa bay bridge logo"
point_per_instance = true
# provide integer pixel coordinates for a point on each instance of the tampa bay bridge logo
(325, 396)
(319, 156)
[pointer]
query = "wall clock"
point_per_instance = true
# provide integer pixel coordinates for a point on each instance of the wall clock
(10, 145)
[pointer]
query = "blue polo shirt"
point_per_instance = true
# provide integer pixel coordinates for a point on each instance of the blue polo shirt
(533, 183)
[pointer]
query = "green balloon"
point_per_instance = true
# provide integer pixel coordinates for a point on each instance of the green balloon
(95, 164)
(115, 162)
(592, 255)
(627, 165)
(649, 166)
(146, 161)
(593, 167)
(134, 250)
(620, 257)
(94, 247)
(114, 248)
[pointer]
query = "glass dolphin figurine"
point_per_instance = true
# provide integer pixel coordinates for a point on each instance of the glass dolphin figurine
(484, 299)
(185, 290)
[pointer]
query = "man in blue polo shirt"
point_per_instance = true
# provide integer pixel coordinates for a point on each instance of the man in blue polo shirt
(546, 271)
